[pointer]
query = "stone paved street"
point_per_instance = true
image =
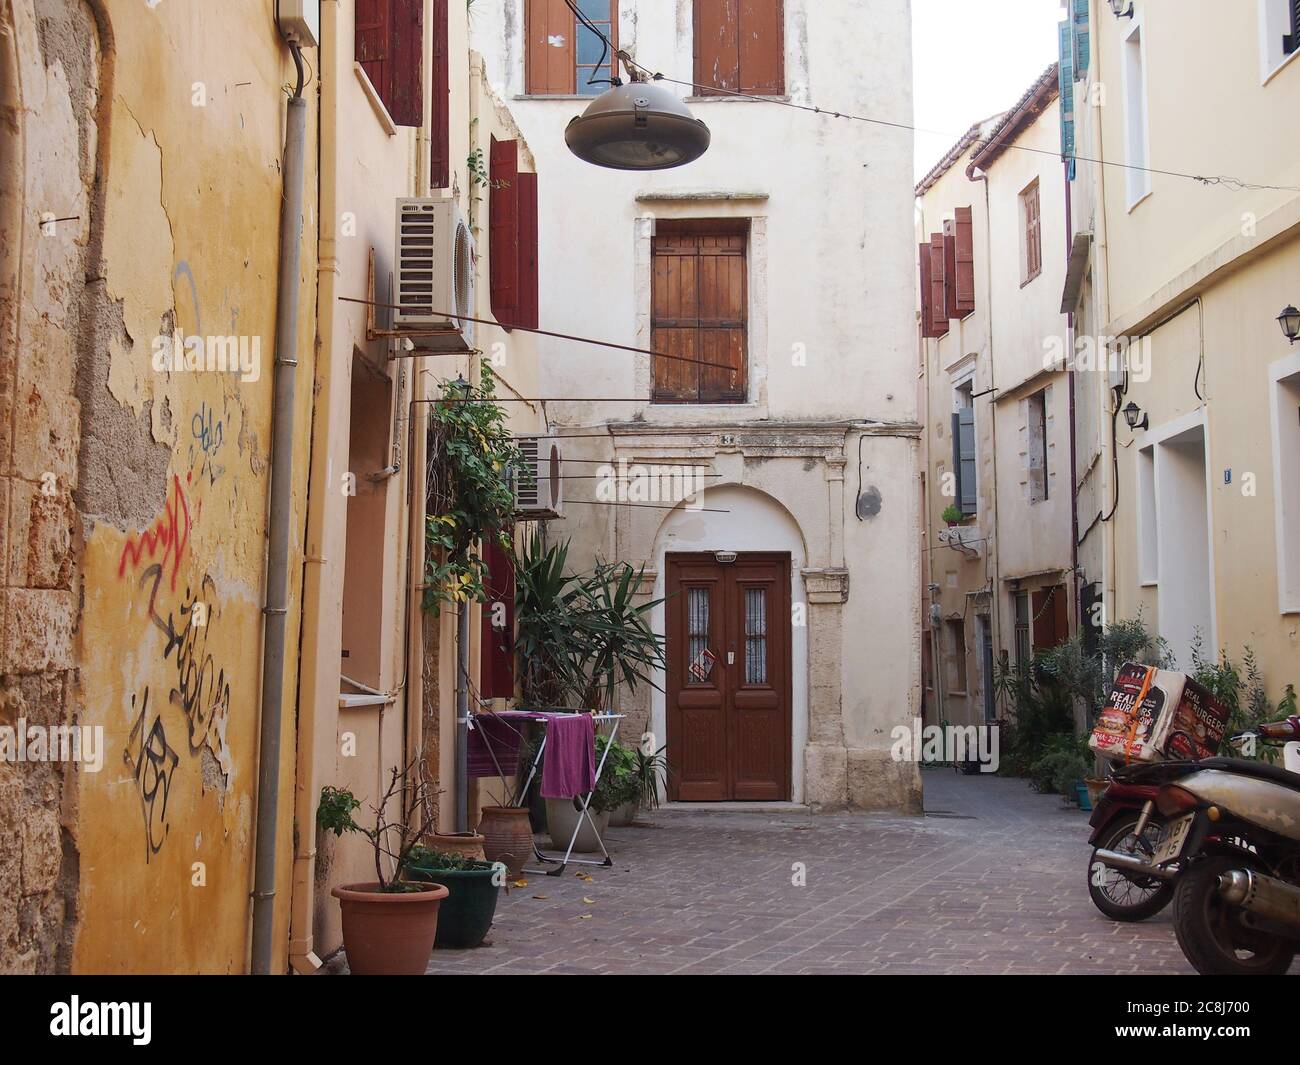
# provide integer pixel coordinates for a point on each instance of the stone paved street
(990, 881)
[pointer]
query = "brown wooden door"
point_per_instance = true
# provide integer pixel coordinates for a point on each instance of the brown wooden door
(728, 690)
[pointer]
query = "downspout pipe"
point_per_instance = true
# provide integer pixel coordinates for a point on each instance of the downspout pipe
(275, 610)
(462, 719)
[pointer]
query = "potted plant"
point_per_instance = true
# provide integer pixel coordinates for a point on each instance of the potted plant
(952, 515)
(473, 888)
(389, 924)
(612, 790)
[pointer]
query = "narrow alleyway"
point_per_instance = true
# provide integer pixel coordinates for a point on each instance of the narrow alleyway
(990, 881)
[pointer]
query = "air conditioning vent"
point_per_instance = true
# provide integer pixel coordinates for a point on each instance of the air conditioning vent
(538, 483)
(435, 274)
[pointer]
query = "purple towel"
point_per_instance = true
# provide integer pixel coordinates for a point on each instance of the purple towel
(569, 766)
(495, 736)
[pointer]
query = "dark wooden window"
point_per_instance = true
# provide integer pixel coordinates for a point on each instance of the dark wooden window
(389, 44)
(957, 679)
(503, 230)
(938, 286)
(964, 459)
(740, 46)
(527, 310)
(496, 653)
(1051, 622)
(440, 131)
(965, 261)
(564, 57)
(699, 309)
(1032, 238)
(927, 295)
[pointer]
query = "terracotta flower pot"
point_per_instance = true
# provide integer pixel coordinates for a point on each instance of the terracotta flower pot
(389, 933)
(466, 844)
(507, 836)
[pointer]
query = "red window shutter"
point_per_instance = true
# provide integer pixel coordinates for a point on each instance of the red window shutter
(550, 49)
(950, 269)
(496, 654)
(965, 261)
(370, 43)
(440, 133)
(938, 300)
(503, 231)
(927, 317)
(717, 46)
(762, 46)
(405, 97)
(528, 275)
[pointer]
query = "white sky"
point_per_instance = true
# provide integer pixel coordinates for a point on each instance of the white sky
(972, 59)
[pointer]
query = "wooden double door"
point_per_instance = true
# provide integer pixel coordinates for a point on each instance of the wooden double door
(728, 677)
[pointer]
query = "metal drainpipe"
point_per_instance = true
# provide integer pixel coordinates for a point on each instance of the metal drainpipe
(277, 565)
(462, 719)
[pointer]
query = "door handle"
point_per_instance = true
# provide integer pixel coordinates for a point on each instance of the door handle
(731, 658)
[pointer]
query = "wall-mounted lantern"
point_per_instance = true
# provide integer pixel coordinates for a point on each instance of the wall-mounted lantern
(1117, 7)
(1136, 417)
(1289, 320)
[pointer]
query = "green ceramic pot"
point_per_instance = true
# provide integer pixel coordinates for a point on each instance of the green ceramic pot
(469, 907)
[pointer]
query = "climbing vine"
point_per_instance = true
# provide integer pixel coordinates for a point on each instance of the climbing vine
(471, 454)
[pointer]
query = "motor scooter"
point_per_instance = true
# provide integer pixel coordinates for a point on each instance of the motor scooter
(1231, 846)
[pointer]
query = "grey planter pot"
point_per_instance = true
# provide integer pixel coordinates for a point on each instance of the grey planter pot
(560, 820)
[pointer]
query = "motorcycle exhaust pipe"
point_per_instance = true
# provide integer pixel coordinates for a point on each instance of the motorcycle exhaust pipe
(1129, 863)
(1264, 895)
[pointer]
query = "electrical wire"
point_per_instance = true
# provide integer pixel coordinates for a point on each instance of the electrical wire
(605, 46)
(1226, 180)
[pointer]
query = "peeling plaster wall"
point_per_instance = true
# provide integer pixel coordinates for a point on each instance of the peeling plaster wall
(136, 607)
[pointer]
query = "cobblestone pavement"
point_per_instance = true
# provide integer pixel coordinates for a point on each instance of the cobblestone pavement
(992, 880)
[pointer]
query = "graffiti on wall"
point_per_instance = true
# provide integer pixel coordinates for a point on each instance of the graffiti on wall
(152, 762)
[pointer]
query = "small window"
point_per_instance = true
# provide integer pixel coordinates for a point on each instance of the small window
(956, 655)
(740, 47)
(1031, 234)
(1024, 642)
(565, 55)
(388, 43)
(1279, 33)
(964, 457)
(1135, 117)
(1036, 445)
(699, 310)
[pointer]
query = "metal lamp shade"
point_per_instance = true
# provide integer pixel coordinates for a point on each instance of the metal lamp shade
(1289, 320)
(639, 126)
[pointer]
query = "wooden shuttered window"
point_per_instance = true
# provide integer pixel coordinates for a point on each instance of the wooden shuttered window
(496, 650)
(1051, 617)
(1030, 215)
(938, 290)
(562, 56)
(963, 459)
(740, 46)
(965, 261)
(440, 131)
(699, 297)
(388, 42)
(925, 259)
(527, 311)
(512, 238)
(950, 269)
(503, 230)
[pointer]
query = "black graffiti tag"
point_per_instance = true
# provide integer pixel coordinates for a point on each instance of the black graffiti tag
(152, 762)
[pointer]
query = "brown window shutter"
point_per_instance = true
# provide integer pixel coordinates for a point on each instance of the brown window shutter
(965, 280)
(927, 317)
(699, 310)
(717, 46)
(370, 43)
(496, 653)
(762, 47)
(405, 98)
(938, 300)
(550, 49)
(950, 269)
(1033, 233)
(528, 276)
(503, 231)
(440, 134)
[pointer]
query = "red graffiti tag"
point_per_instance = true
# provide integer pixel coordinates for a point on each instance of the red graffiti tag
(170, 533)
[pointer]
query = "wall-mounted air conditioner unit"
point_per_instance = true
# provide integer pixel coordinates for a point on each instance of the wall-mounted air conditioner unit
(538, 483)
(435, 275)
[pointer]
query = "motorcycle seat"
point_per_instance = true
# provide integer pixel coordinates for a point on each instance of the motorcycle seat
(1248, 767)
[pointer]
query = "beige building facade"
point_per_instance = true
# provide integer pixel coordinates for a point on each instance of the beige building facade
(991, 223)
(1184, 274)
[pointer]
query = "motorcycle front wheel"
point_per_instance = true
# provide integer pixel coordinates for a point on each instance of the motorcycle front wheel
(1211, 933)
(1121, 896)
